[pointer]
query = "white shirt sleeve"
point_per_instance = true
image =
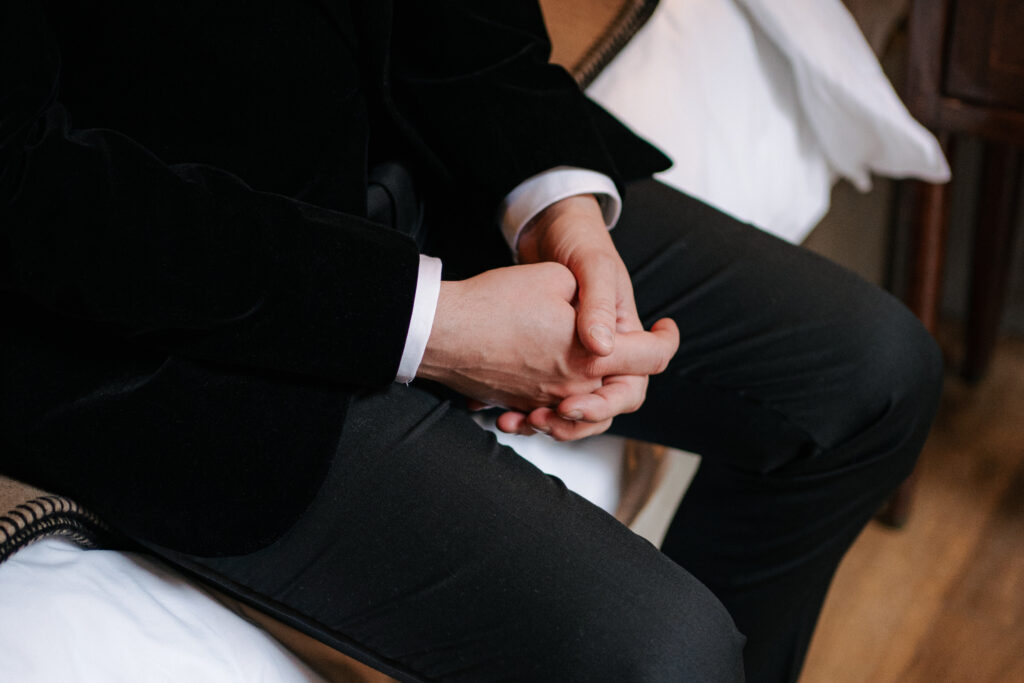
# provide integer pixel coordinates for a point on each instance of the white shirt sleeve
(529, 198)
(424, 305)
(535, 194)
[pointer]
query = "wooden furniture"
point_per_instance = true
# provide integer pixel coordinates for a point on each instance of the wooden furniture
(966, 76)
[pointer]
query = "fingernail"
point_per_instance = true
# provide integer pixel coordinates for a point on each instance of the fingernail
(541, 430)
(602, 335)
(573, 415)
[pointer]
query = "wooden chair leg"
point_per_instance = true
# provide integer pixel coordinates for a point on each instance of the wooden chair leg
(930, 221)
(930, 218)
(643, 469)
(990, 268)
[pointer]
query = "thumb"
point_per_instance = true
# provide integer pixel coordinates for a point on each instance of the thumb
(596, 319)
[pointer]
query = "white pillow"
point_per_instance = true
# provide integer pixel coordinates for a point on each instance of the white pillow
(761, 104)
(710, 89)
(856, 114)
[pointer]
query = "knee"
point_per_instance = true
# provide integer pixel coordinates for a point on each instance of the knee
(700, 644)
(688, 637)
(908, 366)
(896, 381)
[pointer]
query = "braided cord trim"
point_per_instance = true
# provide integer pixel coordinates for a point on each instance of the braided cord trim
(631, 18)
(47, 516)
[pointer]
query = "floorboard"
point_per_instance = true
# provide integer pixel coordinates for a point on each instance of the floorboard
(942, 600)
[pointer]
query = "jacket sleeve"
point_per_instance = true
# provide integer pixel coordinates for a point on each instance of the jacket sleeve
(471, 70)
(94, 228)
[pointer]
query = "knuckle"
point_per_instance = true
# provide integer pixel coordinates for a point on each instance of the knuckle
(555, 273)
(562, 276)
(662, 365)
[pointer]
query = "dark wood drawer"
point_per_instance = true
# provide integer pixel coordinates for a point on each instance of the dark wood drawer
(986, 53)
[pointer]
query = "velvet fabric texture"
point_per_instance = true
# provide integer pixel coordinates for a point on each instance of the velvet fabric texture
(190, 289)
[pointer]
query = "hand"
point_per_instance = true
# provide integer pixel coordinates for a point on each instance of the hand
(507, 337)
(572, 232)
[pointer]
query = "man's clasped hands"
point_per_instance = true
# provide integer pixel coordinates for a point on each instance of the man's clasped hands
(557, 340)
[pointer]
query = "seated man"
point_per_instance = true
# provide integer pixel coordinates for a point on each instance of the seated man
(215, 220)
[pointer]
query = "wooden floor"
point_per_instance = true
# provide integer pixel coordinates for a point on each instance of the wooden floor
(942, 600)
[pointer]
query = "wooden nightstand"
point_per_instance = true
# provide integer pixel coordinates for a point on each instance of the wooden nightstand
(966, 75)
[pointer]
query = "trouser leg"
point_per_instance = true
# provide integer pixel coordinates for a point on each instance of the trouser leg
(434, 553)
(807, 391)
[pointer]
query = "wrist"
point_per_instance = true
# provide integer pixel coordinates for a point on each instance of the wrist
(581, 209)
(437, 356)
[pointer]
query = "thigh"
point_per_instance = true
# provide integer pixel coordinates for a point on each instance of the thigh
(434, 553)
(807, 391)
(783, 354)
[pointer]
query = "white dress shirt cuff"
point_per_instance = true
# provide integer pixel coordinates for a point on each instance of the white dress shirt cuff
(424, 305)
(535, 194)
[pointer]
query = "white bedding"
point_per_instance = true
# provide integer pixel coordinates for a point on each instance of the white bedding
(761, 103)
(100, 616)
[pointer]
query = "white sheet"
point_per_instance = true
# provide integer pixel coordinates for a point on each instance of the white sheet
(590, 467)
(101, 616)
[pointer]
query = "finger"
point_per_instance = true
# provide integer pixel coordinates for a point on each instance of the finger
(516, 423)
(640, 353)
(597, 319)
(620, 394)
(474, 405)
(547, 421)
(538, 418)
(562, 430)
(627, 318)
(511, 422)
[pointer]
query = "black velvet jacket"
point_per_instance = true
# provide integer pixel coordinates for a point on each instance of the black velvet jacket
(190, 293)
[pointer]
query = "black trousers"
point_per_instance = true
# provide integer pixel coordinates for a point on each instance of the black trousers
(434, 553)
